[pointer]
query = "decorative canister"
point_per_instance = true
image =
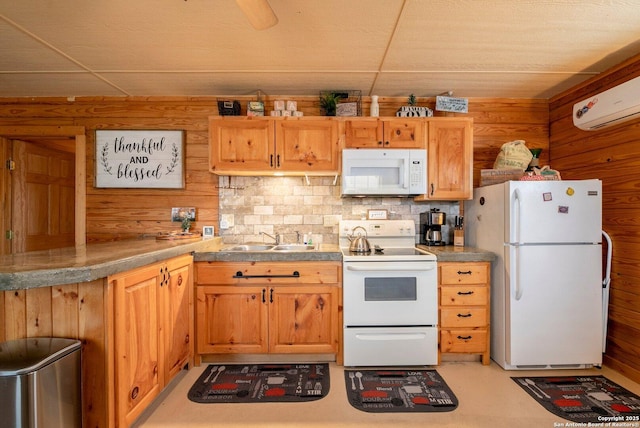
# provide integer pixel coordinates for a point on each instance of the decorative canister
(375, 108)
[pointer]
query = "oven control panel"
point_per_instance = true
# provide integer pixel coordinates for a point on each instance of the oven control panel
(379, 228)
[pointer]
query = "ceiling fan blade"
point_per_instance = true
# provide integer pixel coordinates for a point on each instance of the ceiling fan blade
(259, 13)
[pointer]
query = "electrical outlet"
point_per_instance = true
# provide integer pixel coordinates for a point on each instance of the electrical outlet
(226, 221)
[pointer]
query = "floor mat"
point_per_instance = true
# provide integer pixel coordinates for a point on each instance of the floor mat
(583, 398)
(261, 383)
(399, 391)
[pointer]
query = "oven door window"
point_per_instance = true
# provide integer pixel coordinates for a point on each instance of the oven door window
(390, 289)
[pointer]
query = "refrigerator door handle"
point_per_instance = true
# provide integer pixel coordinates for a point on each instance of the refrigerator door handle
(514, 261)
(514, 233)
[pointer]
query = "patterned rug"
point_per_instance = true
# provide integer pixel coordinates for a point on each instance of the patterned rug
(261, 383)
(584, 399)
(399, 391)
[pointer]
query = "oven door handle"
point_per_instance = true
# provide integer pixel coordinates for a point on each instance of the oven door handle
(391, 336)
(390, 269)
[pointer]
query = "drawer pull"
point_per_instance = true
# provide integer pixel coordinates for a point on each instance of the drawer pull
(465, 293)
(239, 274)
(464, 273)
(465, 337)
(464, 315)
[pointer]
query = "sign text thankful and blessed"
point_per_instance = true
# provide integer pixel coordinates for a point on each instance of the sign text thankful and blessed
(139, 159)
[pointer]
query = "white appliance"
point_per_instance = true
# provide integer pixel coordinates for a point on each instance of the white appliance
(390, 297)
(611, 107)
(379, 172)
(546, 282)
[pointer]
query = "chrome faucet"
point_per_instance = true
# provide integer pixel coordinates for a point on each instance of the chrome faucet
(275, 238)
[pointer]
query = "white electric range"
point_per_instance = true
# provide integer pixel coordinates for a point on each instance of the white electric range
(390, 296)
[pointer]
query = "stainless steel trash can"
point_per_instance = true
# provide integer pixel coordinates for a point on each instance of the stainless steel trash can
(40, 383)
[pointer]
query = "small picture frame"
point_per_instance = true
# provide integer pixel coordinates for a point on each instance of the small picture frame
(377, 215)
(207, 232)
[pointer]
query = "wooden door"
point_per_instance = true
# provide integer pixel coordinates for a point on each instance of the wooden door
(307, 145)
(177, 319)
(404, 133)
(139, 364)
(241, 144)
(5, 196)
(231, 319)
(450, 160)
(43, 198)
(363, 133)
(303, 319)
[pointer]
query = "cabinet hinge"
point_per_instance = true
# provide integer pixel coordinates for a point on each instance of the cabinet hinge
(9, 234)
(11, 164)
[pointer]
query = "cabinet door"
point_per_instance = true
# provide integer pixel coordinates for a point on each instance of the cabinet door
(450, 160)
(177, 316)
(241, 144)
(139, 362)
(363, 133)
(303, 319)
(231, 319)
(307, 145)
(405, 133)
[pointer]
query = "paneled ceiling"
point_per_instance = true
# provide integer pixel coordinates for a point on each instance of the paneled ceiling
(474, 48)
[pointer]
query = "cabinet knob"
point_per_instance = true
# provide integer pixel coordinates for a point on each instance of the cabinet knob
(464, 273)
(179, 280)
(464, 315)
(465, 338)
(134, 393)
(186, 339)
(465, 293)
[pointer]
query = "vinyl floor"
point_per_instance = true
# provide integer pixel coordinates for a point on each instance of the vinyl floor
(487, 395)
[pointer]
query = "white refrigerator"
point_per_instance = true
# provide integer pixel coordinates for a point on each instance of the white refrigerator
(546, 281)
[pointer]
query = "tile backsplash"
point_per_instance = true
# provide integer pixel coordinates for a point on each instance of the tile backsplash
(286, 205)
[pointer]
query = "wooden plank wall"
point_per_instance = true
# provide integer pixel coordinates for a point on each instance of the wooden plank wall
(76, 311)
(612, 155)
(114, 214)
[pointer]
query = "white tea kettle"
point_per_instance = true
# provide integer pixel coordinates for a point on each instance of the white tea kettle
(359, 244)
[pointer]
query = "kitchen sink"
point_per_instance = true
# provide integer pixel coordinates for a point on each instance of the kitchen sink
(249, 248)
(281, 247)
(293, 247)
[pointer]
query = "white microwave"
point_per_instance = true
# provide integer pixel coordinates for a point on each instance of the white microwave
(378, 172)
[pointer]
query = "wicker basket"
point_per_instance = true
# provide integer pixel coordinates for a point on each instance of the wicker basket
(495, 176)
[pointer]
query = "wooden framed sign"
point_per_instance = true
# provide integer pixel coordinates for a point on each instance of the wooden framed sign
(152, 159)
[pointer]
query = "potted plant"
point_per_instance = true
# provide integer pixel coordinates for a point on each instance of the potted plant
(186, 223)
(329, 101)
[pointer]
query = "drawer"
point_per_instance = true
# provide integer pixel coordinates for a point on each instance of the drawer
(251, 273)
(470, 341)
(464, 273)
(463, 317)
(469, 296)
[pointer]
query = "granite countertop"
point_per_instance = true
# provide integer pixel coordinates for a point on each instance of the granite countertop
(450, 253)
(326, 252)
(92, 261)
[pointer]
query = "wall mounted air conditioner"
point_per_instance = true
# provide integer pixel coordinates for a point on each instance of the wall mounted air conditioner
(611, 107)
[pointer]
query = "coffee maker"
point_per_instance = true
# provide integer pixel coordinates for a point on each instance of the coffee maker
(432, 222)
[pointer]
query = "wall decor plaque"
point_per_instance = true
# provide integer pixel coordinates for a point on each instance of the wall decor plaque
(150, 159)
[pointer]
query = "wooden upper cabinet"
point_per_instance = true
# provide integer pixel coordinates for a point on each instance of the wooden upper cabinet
(450, 159)
(261, 145)
(307, 145)
(388, 133)
(239, 144)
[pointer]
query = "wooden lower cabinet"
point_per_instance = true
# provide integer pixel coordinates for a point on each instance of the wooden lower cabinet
(272, 307)
(152, 332)
(464, 308)
(136, 329)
